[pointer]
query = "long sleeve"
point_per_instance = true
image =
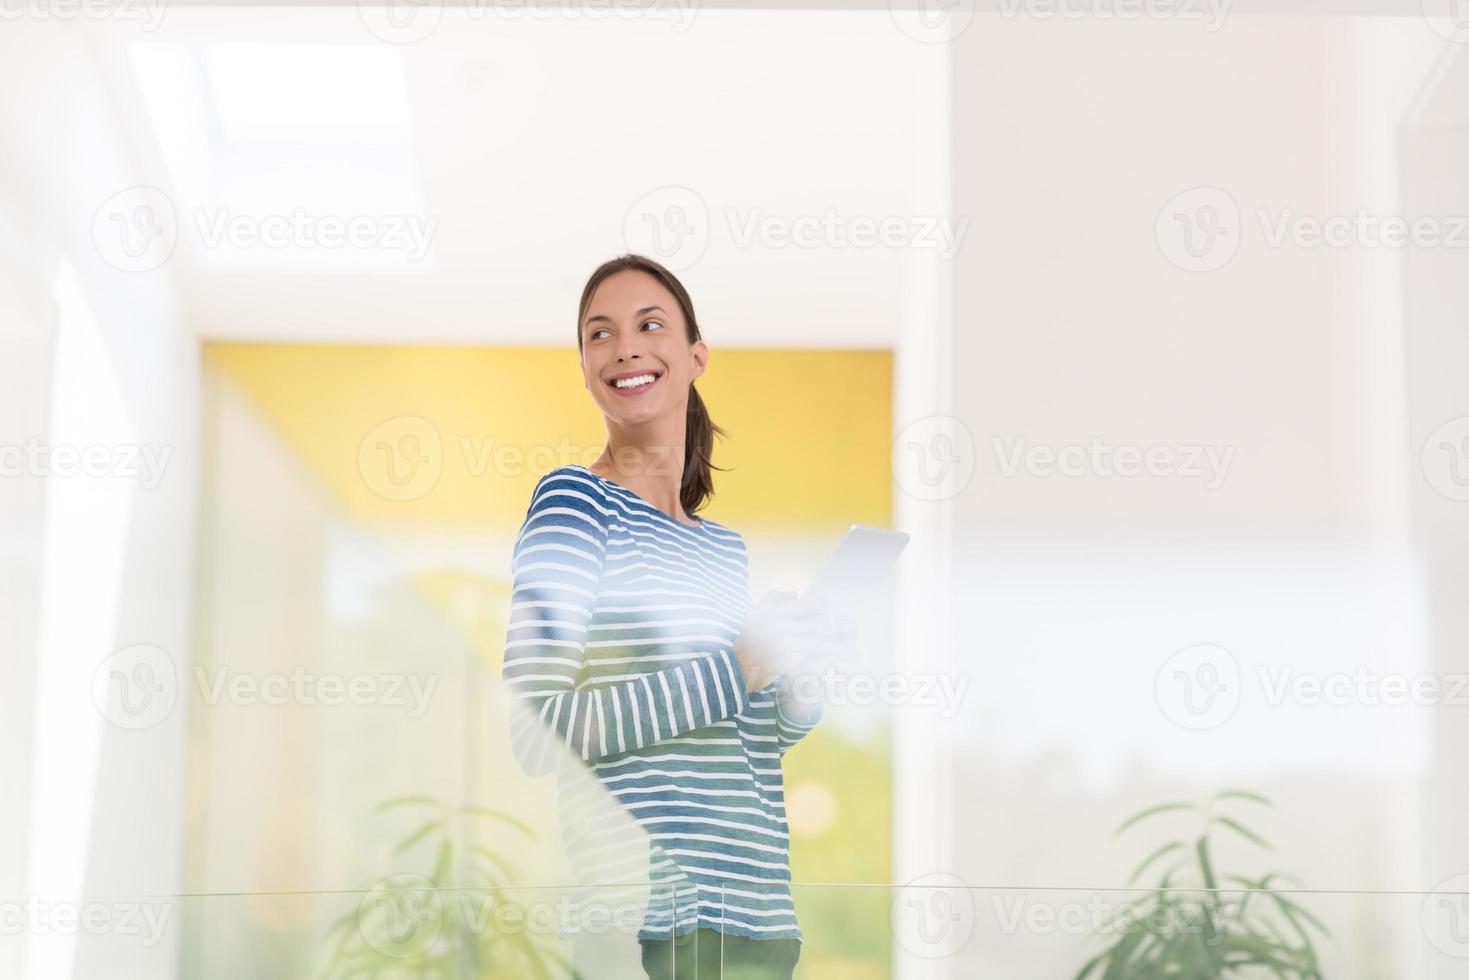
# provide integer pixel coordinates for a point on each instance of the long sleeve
(560, 554)
(792, 718)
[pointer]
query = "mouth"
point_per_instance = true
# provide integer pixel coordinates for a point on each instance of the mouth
(634, 383)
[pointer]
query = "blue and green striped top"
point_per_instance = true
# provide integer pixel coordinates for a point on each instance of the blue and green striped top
(620, 653)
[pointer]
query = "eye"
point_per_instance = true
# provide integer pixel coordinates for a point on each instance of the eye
(593, 334)
(654, 323)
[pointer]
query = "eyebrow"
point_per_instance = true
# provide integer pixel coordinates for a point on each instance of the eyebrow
(647, 309)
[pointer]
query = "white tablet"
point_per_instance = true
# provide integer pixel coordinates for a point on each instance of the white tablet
(863, 560)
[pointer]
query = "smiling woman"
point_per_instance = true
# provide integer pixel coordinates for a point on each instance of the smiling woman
(634, 648)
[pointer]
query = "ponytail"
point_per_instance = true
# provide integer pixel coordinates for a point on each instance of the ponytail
(697, 485)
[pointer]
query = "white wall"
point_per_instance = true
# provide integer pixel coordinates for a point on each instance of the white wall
(1072, 323)
(117, 794)
(1435, 159)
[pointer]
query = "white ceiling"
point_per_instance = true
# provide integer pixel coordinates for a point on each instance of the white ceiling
(531, 144)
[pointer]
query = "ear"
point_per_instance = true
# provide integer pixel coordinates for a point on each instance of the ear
(699, 351)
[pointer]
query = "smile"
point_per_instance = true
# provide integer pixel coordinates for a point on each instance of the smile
(635, 384)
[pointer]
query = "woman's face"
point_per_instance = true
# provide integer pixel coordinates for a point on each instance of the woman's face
(633, 329)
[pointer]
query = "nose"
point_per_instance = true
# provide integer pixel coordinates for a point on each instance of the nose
(627, 347)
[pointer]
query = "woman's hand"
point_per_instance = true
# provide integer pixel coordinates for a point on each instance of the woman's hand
(785, 633)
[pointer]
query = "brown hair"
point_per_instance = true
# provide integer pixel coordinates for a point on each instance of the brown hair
(697, 486)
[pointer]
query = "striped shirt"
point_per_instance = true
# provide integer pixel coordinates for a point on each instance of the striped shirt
(620, 653)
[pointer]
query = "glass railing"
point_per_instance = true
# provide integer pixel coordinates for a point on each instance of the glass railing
(404, 926)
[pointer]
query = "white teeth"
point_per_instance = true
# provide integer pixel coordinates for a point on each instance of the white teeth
(633, 382)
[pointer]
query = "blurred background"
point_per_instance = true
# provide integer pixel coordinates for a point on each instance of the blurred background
(1145, 320)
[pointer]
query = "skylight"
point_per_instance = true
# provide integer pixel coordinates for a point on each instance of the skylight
(289, 157)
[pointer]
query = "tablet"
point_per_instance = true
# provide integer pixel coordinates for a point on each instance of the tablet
(863, 559)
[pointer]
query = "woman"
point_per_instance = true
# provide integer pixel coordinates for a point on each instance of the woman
(634, 645)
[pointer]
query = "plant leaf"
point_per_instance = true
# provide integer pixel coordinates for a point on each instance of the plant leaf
(1243, 794)
(482, 811)
(416, 836)
(398, 801)
(1151, 812)
(1165, 849)
(1244, 832)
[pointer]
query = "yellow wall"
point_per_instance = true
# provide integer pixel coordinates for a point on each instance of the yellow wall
(807, 445)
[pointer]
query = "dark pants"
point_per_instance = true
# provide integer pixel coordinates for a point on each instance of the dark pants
(700, 955)
(705, 954)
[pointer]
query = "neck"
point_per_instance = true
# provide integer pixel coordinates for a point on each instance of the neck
(649, 463)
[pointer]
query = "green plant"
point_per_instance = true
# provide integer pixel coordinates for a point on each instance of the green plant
(1191, 928)
(441, 924)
